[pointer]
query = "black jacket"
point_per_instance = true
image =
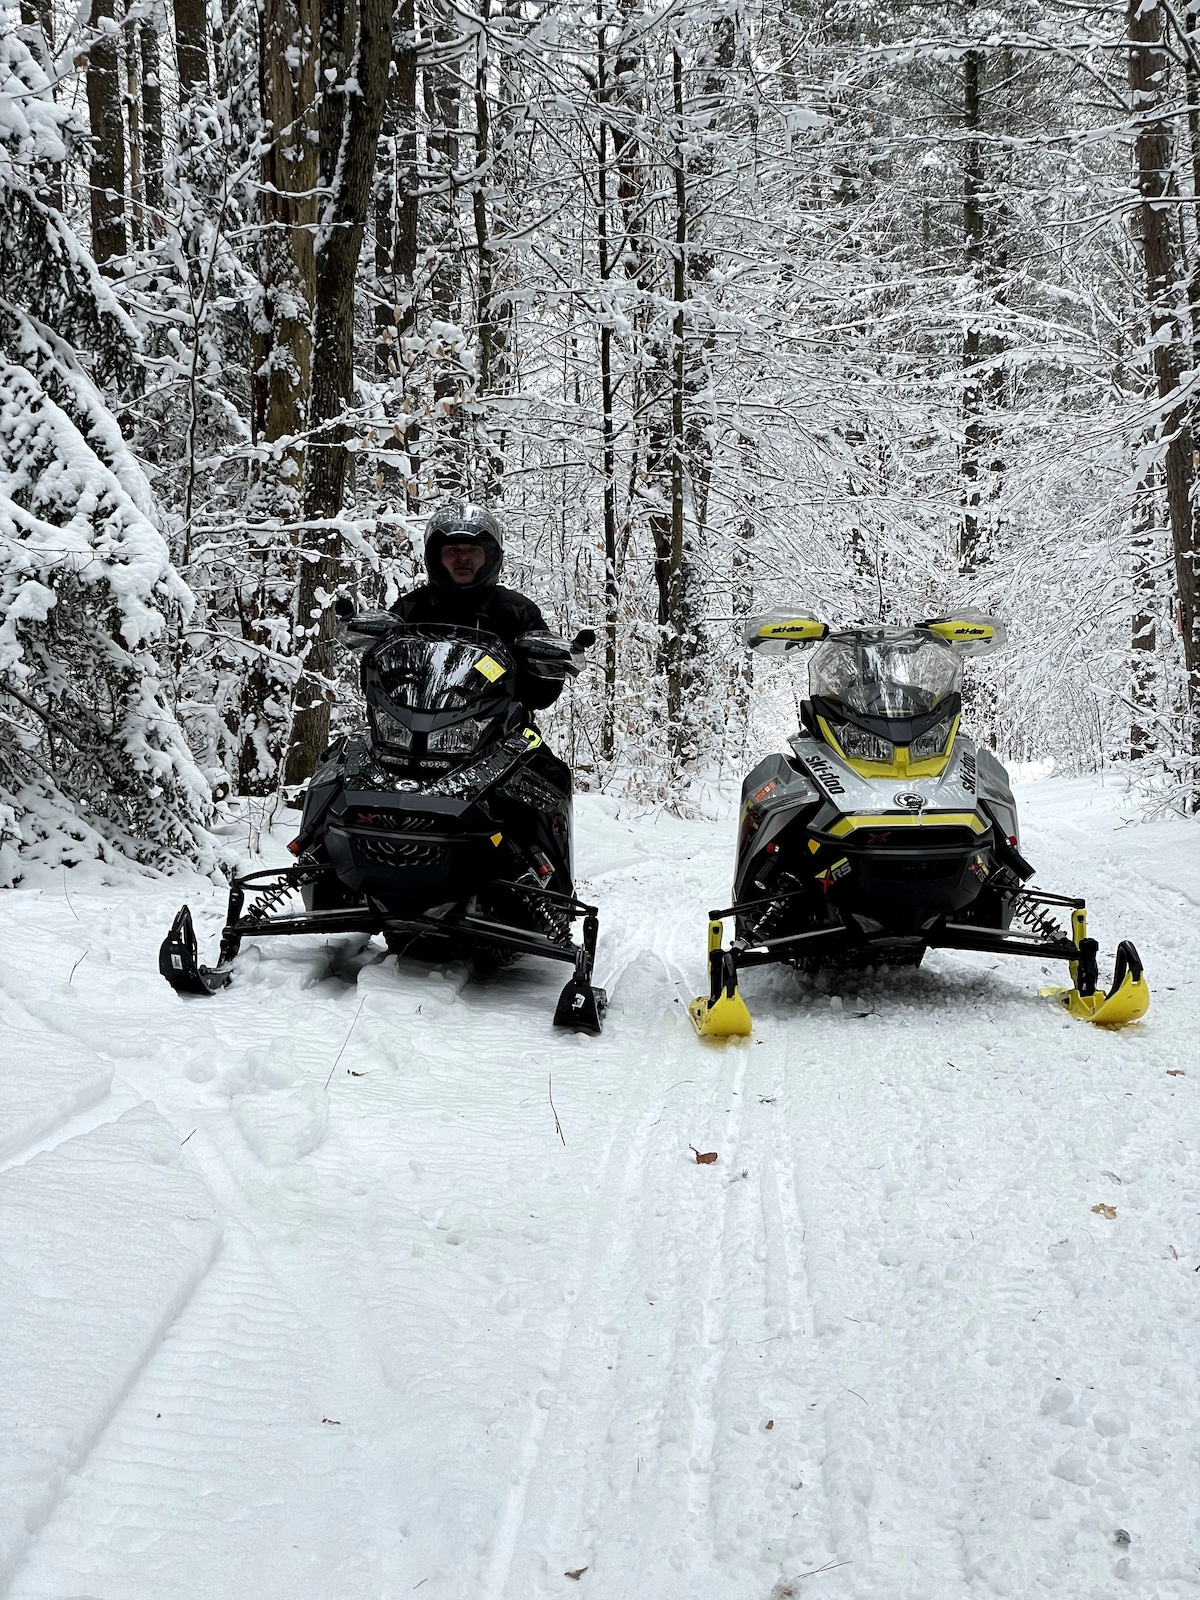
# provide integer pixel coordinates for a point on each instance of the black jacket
(501, 612)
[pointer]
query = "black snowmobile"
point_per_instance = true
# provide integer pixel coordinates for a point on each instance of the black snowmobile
(886, 832)
(445, 825)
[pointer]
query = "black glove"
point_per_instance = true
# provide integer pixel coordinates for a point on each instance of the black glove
(546, 656)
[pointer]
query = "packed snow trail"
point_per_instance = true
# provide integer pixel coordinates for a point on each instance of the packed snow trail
(925, 1330)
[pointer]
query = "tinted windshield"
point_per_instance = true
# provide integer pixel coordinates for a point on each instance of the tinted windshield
(898, 677)
(423, 671)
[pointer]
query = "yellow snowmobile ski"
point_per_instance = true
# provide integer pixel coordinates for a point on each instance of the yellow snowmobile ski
(1127, 1000)
(723, 1014)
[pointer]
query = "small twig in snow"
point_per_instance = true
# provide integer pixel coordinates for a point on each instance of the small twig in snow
(345, 1041)
(182, 1142)
(67, 897)
(83, 957)
(557, 1123)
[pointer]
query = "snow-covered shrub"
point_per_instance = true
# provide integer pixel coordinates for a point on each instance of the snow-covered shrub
(92, 759)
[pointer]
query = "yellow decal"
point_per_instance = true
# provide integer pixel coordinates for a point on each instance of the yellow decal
(955, 628)
(490, 669)
(532, 738)
(496, 838)
(794, 628)
(907, 819)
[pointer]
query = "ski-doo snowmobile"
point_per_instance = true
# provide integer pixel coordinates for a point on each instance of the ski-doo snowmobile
(444, 826)
(885, 831)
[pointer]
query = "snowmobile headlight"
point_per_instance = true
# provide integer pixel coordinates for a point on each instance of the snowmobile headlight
(459, 737)
(392, 732)
(932, 742)
(860, 745)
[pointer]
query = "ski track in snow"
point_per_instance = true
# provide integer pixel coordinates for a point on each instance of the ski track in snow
(884, 1348)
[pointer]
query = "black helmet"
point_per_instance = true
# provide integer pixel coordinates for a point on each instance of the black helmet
(463, 523)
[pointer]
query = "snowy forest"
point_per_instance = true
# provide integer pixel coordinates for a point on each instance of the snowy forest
(871, 307)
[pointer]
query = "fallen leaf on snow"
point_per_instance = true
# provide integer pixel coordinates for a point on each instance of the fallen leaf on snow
(704, 1158)
(1176, 1072)
(770, 1425)
(332, 1421)
(577, 1574)
(354, 1074)
(1105, 1211)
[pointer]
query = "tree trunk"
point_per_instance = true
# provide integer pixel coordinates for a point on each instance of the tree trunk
(339, 246)
(106, 174)
(608, 436)
(442, 85)
(680, 637)
(191, 44)
(283, 346)
(1153, 160)
(133, 116)
(1142, 640)
(152, 121)
(396, 219)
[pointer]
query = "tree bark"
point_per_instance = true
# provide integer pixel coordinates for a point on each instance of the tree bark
(152, 120)
(191, 44)
(339, 246)
(396, 218)
(106, 174)
(607, 402)
(1169, 336)
(442, 86)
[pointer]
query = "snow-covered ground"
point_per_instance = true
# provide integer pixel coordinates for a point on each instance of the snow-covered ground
(305, 1297)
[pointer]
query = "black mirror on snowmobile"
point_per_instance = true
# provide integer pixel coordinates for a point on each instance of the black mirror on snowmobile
(583, 640)
(968, 631)
(343, 607)
(786, 628)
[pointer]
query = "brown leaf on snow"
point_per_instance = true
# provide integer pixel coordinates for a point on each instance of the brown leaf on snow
(1176, 1072)
(332, 1421)
(1105, 1211)
(704, 1158)
(577, 1574)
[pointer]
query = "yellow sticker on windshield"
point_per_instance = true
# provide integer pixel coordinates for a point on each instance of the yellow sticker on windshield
(490, 669)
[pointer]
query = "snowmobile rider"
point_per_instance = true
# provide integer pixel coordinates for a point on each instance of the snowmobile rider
(464, 549)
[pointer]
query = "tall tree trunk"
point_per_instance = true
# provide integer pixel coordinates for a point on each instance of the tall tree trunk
(339, 245)
(152, 120)
(133, 116)
(607, 400)
(491, 312)
(191, 44)
(396, 219)
(283, 344)
(106, 174)
(1170, 339)
(442, 85)
(680, 624)
(1142, 637)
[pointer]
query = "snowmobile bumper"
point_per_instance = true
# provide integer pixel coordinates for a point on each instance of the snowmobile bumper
(581, 1006)
(723, 1013)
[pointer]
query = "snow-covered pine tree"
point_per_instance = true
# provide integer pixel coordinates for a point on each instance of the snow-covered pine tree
(92, 760)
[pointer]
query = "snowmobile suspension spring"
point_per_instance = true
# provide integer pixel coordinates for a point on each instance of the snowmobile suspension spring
(272, 898)
(1036, 918)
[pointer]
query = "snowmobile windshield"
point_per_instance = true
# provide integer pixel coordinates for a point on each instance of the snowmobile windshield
(906, 675)
(424, 670)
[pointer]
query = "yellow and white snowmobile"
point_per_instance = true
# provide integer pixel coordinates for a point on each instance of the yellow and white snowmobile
(885, 831)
